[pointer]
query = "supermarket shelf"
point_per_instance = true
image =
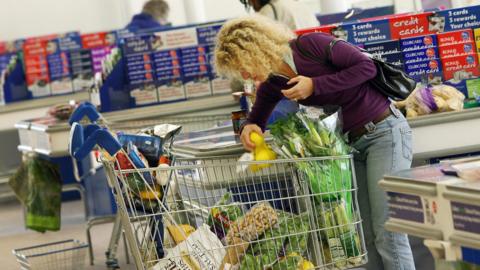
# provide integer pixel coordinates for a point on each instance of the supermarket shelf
(42, 102)
(446, 134)
(18, 111)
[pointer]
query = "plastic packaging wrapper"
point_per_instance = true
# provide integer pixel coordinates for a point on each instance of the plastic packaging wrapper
(431, 99)
(253, 224)
(300, 136)
(282, 246)
(38, 186)
(223, 215)
(202, 250)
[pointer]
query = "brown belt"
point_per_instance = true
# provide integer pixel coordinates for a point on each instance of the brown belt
(357, 133)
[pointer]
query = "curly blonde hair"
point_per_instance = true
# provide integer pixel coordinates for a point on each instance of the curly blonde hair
(253, 44)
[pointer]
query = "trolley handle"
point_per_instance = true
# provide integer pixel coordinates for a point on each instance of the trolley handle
(83, 140)
(85, 109)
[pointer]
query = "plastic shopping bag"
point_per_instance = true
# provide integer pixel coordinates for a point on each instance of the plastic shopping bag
(201, 251)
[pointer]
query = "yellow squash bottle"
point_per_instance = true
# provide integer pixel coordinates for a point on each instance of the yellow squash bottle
(261, 152)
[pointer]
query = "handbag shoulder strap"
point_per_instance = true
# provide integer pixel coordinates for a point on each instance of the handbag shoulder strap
(275, 14)
(309, 55)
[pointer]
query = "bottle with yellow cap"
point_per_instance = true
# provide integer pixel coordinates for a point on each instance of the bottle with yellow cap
(261, 152)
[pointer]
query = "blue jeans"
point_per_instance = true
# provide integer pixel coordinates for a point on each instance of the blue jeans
(387, 148)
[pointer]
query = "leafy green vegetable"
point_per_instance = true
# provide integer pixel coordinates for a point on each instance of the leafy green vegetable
(290, 236)
(299, 136)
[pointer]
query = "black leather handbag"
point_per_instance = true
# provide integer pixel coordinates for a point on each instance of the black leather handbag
(390, 80)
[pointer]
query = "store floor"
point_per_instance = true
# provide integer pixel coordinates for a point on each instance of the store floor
(13, 234)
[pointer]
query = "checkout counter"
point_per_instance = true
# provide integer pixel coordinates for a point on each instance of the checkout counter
(12, 114)
(444, 210)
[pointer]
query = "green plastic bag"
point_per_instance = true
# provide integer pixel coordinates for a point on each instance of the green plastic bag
(37, 184)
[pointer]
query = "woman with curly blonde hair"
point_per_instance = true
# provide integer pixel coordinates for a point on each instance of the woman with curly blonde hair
(307, 71)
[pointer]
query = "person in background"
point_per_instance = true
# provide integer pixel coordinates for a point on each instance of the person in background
(257, 48)
(154, 15)
(294, 14)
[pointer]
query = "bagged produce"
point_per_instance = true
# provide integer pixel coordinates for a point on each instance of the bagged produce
(340, 240)
(282, 246)
(300, 136)
(431, 99)
(253, 224)
(223, 215)
(38, 186)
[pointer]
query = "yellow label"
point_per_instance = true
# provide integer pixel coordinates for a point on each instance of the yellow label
(477, 38)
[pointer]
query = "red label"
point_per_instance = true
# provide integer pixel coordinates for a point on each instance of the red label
(322, 29)
(40, 38)
(94, 40)
(3, 47)
(461, 67)
(456, 37)
(457, 50)
(36, 48)
(34, 77)
(409, 26)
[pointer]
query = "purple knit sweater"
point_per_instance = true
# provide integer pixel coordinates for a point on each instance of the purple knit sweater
(344, 83)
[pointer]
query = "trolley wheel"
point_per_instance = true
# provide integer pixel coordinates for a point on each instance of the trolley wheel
(112, 264)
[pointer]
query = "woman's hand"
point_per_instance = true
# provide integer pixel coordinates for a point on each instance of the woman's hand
(245, 136)
(302, 90)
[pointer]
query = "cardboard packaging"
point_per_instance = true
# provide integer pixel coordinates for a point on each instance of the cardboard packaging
(456, 37)
(196, 80)
(460, 68)
(170, 85)
(455, 50)
(427, 71)
(36, 67)
(59, 69)
(82, 69)
(144, 93)
(418, 43)
(384, 47)
(420, 55)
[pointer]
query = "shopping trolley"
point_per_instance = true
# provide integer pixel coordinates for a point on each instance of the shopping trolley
(207, 229)
(87, 113)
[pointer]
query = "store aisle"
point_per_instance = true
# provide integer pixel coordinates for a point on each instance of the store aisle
(13, 234)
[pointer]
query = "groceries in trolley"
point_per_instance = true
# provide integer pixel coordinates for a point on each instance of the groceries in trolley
(194, 213)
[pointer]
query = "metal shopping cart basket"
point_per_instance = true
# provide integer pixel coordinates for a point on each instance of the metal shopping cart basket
(63, 255)
(324, 232)
(86, 112)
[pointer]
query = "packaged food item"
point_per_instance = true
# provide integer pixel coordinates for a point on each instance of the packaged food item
(253, 224)
(200, 251)
(180, 233)
(426, 100)
(149, 146)
(238, 118)
(235, 252)
(282, 246)
(223, 215)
